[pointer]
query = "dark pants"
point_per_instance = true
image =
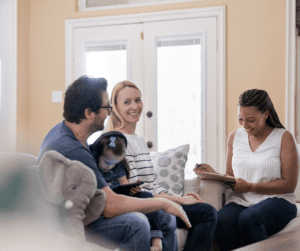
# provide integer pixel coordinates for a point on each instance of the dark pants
(153, 218)
(163, 225)
(203, 218)
(239, 226)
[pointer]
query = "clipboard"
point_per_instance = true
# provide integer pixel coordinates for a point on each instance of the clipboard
(215, 176)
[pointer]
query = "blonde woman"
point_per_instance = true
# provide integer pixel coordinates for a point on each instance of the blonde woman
(127, 103)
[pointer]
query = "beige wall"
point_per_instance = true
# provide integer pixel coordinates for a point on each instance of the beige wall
(255, 48)
(23, 90)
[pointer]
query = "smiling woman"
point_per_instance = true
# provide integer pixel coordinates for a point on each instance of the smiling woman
(127, 98)
(127, 108)
(263, 157)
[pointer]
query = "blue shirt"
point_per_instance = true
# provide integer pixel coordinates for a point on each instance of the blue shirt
(61, 139)
(113, 174)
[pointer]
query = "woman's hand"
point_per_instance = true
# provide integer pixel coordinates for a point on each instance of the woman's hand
(203, 168)
(135, 190)
(241, 186)
(189, 199)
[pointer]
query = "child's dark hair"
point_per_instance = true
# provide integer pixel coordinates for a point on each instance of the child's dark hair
(113, 141)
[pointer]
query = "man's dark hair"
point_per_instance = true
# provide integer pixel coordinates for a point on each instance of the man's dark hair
(83, 93)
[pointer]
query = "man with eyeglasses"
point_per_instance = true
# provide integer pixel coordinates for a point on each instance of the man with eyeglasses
(86, 106)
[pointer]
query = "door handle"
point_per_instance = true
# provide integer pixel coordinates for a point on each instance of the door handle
(149, 114)
(149, 144)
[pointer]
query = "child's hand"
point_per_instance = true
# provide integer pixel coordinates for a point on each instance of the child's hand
(156, 244)
(135, 190)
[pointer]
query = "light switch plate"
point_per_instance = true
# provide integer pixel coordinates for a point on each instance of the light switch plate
(56, 97)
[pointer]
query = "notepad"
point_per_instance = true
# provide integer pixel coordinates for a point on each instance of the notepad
(215, 176)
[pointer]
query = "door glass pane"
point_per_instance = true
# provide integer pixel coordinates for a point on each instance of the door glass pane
(106, 60)
(179, 97)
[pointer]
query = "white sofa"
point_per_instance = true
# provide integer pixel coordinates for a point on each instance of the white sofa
(211, 192)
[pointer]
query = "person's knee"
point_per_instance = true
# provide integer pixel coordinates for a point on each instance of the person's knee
(247, 218)
(172, 225)
(210, 212)
(139, 221)
(168, 222)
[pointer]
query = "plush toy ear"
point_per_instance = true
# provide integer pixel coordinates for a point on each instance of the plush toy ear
(51, 173)
(95, 207)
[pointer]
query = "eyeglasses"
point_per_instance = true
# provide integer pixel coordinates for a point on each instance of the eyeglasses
(109, 108)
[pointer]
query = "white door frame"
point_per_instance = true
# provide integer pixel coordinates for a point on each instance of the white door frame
(290, 83)
(9, 109)
(218, 12)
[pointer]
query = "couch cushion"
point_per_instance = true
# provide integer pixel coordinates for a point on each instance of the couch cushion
(169, 168)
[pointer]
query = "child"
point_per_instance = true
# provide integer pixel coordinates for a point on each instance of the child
(109, 152)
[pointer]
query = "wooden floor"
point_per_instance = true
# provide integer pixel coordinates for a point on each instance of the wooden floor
(287, 241)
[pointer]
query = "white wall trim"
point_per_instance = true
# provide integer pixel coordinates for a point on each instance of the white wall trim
(218, 12)
(9, 76)
(290, 83)
(13, 114)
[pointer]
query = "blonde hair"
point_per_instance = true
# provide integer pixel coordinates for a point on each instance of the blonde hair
(115, 121)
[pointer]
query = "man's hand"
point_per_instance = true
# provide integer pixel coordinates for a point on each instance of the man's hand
(177, 210)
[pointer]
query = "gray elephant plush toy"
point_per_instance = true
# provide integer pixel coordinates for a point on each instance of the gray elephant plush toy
(71, 186)
(45, 206)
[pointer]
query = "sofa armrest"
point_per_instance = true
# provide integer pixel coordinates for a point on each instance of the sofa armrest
(212, 192)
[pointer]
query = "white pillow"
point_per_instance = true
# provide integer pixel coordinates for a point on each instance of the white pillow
(169, 168)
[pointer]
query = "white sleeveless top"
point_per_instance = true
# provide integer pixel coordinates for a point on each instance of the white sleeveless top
(261, 166)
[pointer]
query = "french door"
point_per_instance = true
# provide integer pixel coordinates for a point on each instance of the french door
(174, 63)
(111, 52)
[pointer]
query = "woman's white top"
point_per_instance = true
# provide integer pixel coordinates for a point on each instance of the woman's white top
(261, 166)
(140, 163)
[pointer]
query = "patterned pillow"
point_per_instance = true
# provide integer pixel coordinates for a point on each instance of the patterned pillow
(169, 168)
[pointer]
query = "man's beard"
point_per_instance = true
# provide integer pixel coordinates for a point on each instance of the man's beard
(97, 127)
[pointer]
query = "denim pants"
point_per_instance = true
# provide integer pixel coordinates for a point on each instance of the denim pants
(130, 232)
(162, 224)
(203, 218)
(239, 226)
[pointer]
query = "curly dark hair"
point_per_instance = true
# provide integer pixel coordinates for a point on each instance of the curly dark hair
(83, 93)
(261, 100)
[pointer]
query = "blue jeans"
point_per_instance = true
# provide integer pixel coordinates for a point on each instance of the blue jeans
(163, 225)
(239, 226)
(130, 232)
(203, 218)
